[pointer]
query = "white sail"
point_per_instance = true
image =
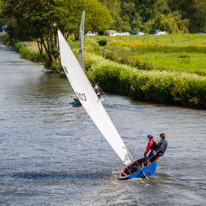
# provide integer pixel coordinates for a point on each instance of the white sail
(90, 101)
(81, 41)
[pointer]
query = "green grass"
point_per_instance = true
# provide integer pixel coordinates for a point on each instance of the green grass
(189, 62)
(159, 86)
(184, 53)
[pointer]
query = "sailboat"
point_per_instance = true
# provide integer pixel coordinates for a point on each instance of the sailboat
(88, 98)
(81, 46)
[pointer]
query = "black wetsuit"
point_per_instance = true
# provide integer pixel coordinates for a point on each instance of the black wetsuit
(97, 92)
(161, 148)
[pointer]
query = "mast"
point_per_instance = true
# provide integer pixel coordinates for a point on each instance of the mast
(81, 40)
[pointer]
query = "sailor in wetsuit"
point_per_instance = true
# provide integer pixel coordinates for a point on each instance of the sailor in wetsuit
(97, 91)
(161, 147)
(151, 146)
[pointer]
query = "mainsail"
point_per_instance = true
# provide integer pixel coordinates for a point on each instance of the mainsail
(81, 41)
(88, 98)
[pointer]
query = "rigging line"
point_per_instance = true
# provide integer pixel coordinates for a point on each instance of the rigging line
(111, 103)
(128, 153)
(142, 169)
(96, 84)
(107, 97)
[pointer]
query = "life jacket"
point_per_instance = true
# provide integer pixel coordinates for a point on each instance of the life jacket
(154, 145)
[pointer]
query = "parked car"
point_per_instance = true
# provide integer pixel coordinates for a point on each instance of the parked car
(121, 34)
(157, 32)
(89, 33)
(114, 33)
(135, 32)
(200, 33)
(110, 32)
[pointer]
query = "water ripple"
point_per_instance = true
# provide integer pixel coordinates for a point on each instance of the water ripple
(53, 175)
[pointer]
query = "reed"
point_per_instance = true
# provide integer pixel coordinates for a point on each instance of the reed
(29, 51)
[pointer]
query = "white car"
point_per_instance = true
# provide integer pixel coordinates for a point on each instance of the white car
(89, 33)
(120, 34)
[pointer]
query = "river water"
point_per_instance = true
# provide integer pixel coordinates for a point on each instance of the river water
(52, 154)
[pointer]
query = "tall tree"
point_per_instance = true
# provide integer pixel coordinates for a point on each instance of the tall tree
(198, 20)
(171, 22)
(132, 14)
(115, 7)
(97, 16)
(34, 20)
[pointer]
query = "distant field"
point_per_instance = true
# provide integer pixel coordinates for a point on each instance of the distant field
(177, 40)
(149, 52)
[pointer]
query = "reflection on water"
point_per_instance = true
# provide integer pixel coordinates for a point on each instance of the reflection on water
(52, 154)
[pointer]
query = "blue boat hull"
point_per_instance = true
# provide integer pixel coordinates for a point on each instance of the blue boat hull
(137, 169)
(148, 171)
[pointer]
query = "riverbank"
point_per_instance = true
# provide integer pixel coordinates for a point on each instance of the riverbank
(117, 67)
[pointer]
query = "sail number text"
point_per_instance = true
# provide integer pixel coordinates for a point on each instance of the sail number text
(81, 96)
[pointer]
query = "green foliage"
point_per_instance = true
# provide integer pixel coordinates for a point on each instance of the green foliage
(4, 36)
(97, 16)
(132, 14)
(199, 15)
(194, 10)
(171, 23)
(27, 53)
(20, 45)
(35, 21)
(164, 87)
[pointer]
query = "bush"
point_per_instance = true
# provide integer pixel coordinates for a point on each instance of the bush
(164, 87)
(19, 45)
(102, 42)
(4, 36)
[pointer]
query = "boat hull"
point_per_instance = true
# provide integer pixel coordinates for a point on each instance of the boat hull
(76, 100)
(136, 170)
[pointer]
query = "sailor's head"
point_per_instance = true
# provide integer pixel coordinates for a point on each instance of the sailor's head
(95, 87)
(162, 136)
(149, 136)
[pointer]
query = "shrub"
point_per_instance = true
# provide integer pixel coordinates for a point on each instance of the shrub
(165, 87)
(102, 42)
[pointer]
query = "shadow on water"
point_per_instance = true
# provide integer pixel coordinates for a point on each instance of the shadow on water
(53, 176)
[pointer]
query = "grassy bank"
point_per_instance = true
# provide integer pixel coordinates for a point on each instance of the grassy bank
(167, 69)
(169, 52)
(157, 86)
